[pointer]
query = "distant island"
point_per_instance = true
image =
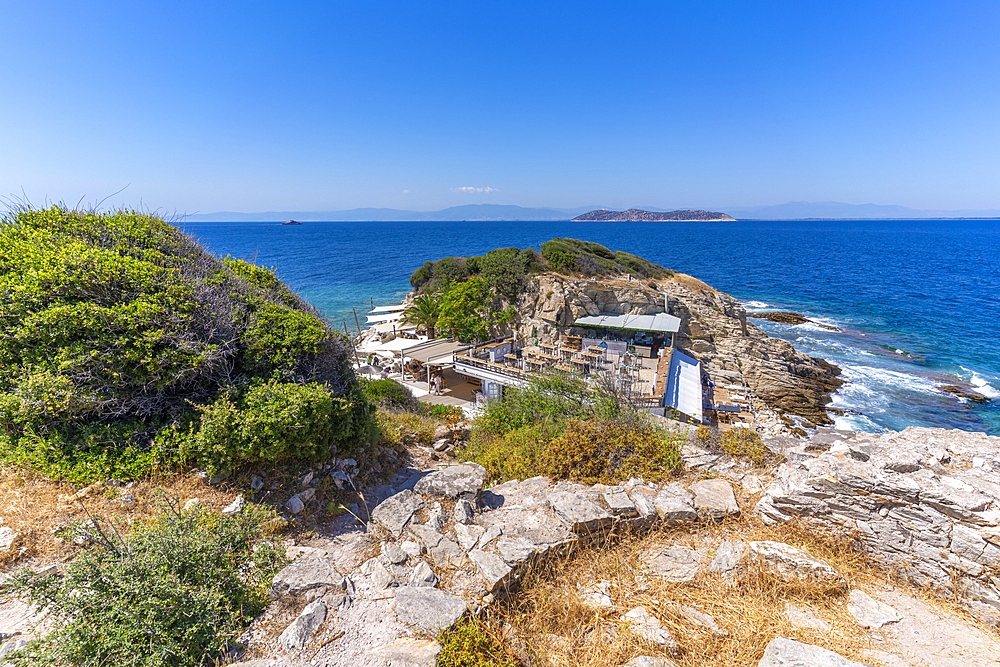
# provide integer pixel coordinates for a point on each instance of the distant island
(638, 215)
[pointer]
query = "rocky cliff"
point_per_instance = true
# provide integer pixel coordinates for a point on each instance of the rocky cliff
(714, 329)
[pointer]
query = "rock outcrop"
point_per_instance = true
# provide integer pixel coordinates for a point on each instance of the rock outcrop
(714, 329)
(924, 501)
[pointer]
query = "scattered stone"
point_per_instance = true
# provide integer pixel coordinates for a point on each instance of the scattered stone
(410, 651)
(295, 504)
(442, 432)
(306, 572)
(379, 574)
(257, 483)
(441, 445)
(728, 556)
(581, 514)
(675, 564)
(463, 512)
(492, 533)
(700, 619)
(870, 613)
(304, 627)
(307, 494)
(643, 499)
(648, 628)
(394, 512)
(393, 553)
(616, 501)
(515, 550)
(411, 548)
(422, 575)
(8, 536)
(191, 504)
(784, 652)
(464, 482)
(235, 507)
(804, 619)
(442, 551)
(714, 499)
(598, 595)
(468, 536)
(492, 569)
(649, 661)
(428, 608)
(795, 565)
(307, 478)
(674, 505)
(128, 501)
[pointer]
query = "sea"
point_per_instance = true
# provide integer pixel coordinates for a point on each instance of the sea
(915, 304)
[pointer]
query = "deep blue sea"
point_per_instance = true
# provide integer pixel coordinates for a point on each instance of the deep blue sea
(918, 301)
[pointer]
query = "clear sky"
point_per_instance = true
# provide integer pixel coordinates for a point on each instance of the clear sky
(249, 106)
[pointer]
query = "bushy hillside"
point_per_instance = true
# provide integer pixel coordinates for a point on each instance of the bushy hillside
(124, 345)
(568, 255)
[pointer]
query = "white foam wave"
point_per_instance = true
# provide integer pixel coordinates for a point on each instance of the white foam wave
(756, 304)
(871, 376)
(980, 384)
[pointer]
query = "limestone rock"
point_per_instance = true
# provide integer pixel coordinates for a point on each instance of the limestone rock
(804, 619)
(729, 555)
(580, 513)
(422, 575)
(598, 595)
(674, 505)
(379, 574)
(468, 536)
(295, 504)
(700, 619)
(8, 536)
(643, 499)
(515, 551)
(305, 573)
(792, 565)
(463, 513)
(784, 652)
(649, 661)
(539, 526)
(871, 613)
(441, 550)
(648, 628)
(235, 507)
(428, 608)
(464, 482)
(393, 553)
(676, 564)
(298, 634)
(394, 512)
(714, 499)
(410, 651)
(494, 572)
(617, 502)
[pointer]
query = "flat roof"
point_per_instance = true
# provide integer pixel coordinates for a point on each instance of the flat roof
(433, 349)
(387, 317)
(662, 322)
(683, 389)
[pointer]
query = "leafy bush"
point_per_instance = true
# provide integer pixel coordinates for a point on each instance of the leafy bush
(401, 428)
(560, 426)
(449, 270)
(593, 258)
(388, 393)
(174, 593)
(470, 311)
(472, 643)
(113, 327)
(743, 443)
(506, 270)
(449, 413)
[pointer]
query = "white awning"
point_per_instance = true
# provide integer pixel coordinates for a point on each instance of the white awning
(388, 309)
(387, 317)
(661, 322)
(683, 391)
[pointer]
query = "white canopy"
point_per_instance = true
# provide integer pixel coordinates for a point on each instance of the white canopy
(683, 390)
(663, 322)
(388, 309)
(388, 317)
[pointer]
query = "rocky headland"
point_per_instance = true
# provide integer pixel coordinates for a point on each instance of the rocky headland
(714, 329)
(638, 215)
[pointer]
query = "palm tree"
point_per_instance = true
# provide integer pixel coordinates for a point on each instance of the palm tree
(423, 312)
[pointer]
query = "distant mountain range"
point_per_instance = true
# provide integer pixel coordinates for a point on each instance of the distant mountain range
(639, 215)
(789, 211)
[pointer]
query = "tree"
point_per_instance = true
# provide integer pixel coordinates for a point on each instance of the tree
(470, 311)
(424, 313)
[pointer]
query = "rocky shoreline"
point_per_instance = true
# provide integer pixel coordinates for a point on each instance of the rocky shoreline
(714, 329)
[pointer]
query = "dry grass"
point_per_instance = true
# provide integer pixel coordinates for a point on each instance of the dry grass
(37, 507)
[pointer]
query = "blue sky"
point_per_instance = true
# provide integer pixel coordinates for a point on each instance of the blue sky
(249, 106)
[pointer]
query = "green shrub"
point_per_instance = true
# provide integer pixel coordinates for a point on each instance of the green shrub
(472, 643)
(506, 270)
(592, 258)
(513, 455)
(401, 428)
(271, 423)
(388, 393)
(743, 443)
(114, 327)
(449, 270)
(471, 312)
(420, 277)
(174, 593)
(450, 413)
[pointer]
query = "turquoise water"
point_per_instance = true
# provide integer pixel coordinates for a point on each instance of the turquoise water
(918, 301)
